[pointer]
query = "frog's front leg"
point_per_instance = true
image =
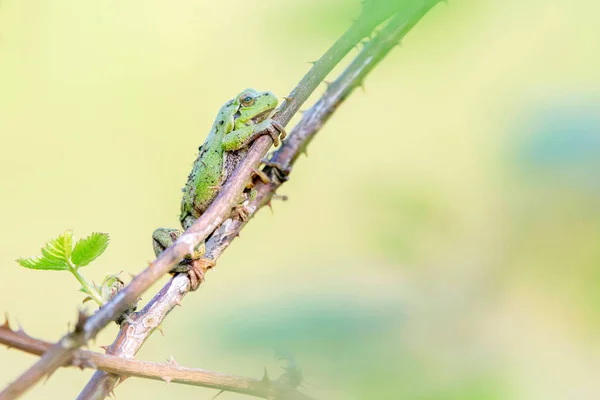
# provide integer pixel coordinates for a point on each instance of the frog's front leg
(193, 265)
(245, 135)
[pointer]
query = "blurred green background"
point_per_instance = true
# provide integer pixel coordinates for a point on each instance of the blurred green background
(441, 241)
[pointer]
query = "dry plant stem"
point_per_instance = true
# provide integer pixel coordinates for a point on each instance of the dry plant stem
(170, 372)
(61, 352)
(148, 319)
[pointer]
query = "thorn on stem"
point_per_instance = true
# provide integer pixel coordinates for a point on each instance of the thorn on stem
(265, 378)
(78, 362)
(20, 330)
(81, 320)
(48, 376)
(121, 380)
(6, 323)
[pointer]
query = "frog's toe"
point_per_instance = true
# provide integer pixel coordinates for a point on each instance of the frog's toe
(197, 270)
(241, 212)
(280, 128)
(196, 277)
(276, 131)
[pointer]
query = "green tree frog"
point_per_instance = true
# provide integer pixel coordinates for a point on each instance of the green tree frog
(239, 122)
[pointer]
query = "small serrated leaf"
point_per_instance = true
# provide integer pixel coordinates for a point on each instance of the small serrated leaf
(88, 249)
(40, 263)
(59, 250)
(55, 254)
(66, 240)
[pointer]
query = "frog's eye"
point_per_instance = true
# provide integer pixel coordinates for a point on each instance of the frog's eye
(247, 100)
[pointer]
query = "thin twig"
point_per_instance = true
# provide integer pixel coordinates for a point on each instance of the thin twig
(168, 372)
(134, 332)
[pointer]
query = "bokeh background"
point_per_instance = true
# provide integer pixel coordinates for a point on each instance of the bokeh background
(441, 240)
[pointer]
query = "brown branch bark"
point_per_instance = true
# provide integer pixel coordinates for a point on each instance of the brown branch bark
(169, 372)
(61, 352)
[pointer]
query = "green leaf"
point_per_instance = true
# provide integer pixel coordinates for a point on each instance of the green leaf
(59, 249)
(55, 254)
(88, 249)
(40, 263)
(66, 239)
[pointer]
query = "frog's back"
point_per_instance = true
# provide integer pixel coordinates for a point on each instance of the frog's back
(207, 173)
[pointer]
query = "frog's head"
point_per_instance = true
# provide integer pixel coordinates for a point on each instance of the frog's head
(255, 106)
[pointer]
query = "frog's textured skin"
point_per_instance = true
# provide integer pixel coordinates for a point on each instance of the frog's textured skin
(239, 122)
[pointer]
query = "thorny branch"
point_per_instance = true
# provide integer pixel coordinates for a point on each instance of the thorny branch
(87, 328)
(169, 372)
(142, 324)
